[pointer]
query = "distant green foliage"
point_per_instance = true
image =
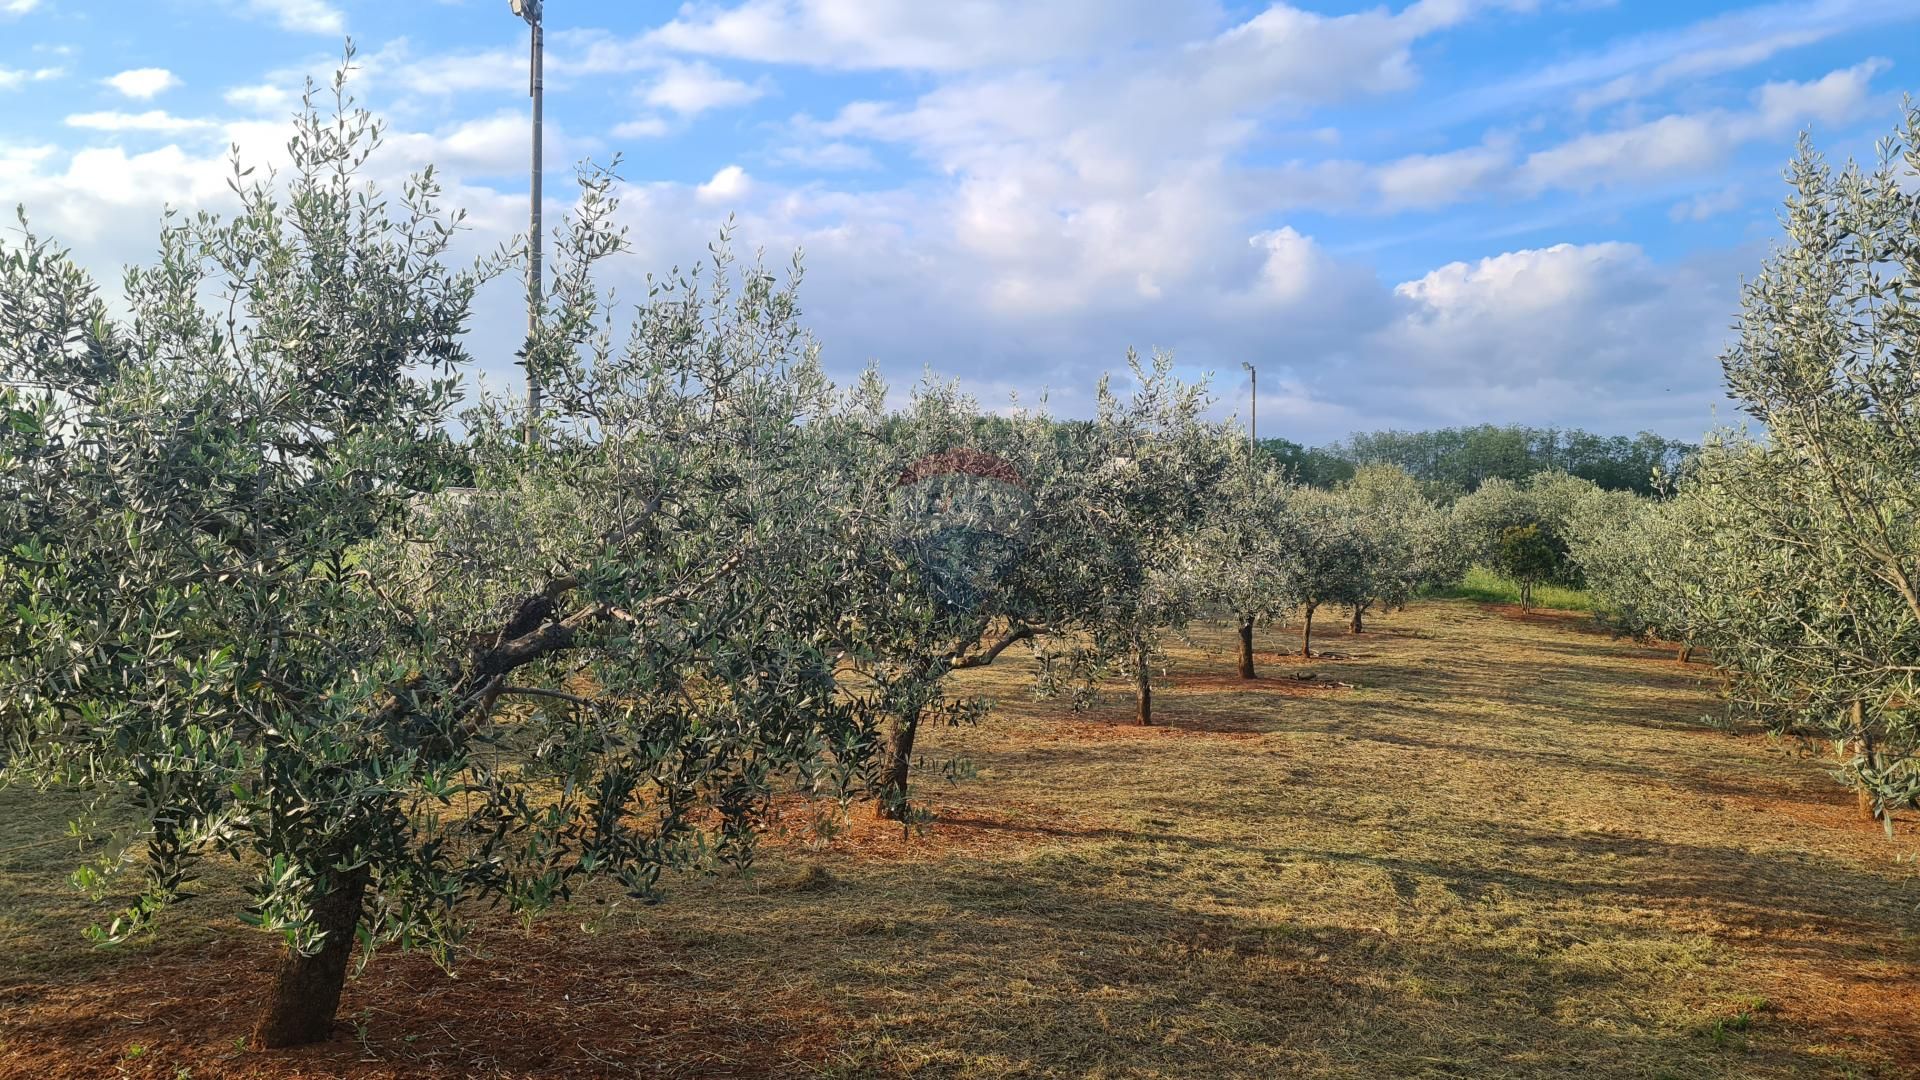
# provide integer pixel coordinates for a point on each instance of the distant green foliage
(1455, 461)
(1312, 466)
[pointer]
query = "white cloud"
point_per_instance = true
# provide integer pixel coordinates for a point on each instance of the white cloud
(646, 127)
(730, 183)
(11, 79)
(828, 157)
(17, 7)
(1708, 204)
(496, 145)
(151, 120)
(1429, 180)
(305, 16)
(438, 74)
(264, 97)
(143, 84)
(1694, 142)
(1592, 328)
(690, 89)
(913, 34)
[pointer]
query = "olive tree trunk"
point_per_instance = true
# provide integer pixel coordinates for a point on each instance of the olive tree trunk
(892, 803)
(306, 989)
(1306, 631)
(1356, 626)
(1863, 739)
(1686, 653)
(1142, 685)
(1246, 646)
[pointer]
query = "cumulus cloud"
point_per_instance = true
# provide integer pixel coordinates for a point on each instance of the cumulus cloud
(1595, 333)
(265, 97)
(729, 183)
(17, 7)
(143, 84)
(305, 16)
(11, 78)
(690, 89)
(1692, 142)
(151, 120)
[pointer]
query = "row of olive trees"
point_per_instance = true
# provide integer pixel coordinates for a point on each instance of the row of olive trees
(266, 606)
(1793, 559)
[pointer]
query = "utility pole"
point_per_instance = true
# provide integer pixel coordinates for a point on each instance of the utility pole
(532, 11)
(1253, 426)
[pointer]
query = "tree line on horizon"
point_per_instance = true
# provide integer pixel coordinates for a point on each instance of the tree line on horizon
(1455, 461)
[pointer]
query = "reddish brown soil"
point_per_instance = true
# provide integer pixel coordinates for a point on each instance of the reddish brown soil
(551, 1003)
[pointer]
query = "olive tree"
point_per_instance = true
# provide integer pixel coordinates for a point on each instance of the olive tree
(1333, 557)
(945, 514)
(252, 617)
(1409, 541)
(1634, 555)
(1248, 551)
(1493, 520)
(1134, 487)
(1826, 511)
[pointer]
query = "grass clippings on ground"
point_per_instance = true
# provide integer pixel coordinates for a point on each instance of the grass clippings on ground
(1507, 848)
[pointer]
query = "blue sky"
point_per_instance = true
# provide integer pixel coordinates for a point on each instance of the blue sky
(1407, 215)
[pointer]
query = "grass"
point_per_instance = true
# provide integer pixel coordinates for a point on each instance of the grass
(1508, 850)
(1487, 587)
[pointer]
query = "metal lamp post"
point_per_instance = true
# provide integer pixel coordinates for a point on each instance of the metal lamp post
(531, 11)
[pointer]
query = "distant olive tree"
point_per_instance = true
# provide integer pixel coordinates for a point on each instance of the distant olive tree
(1247, 555)
(1409, 541)
(1333, 557)
(1638, 562)
(1135, 487)
(248, 611)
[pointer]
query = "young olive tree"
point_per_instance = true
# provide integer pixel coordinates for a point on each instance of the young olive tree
(252, 616)
(1410, 542)
(1248, 550)
(1333, 557)
(1136, 484)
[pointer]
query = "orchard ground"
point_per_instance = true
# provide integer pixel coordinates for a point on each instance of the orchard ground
(1506, 846)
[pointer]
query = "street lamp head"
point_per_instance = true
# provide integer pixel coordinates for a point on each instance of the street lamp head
(526, 9)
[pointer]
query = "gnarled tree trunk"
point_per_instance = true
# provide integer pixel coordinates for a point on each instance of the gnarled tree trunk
(1142, 685)
(892, 803)
(306, 989)
(1306, 632)
(1686, 652)
(1246, 646)
(1356, 626)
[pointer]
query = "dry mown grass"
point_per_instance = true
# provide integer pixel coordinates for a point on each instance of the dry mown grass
(1508, 850)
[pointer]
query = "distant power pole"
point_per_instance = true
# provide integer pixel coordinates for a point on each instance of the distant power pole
(532, 11)
(1253, 425)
